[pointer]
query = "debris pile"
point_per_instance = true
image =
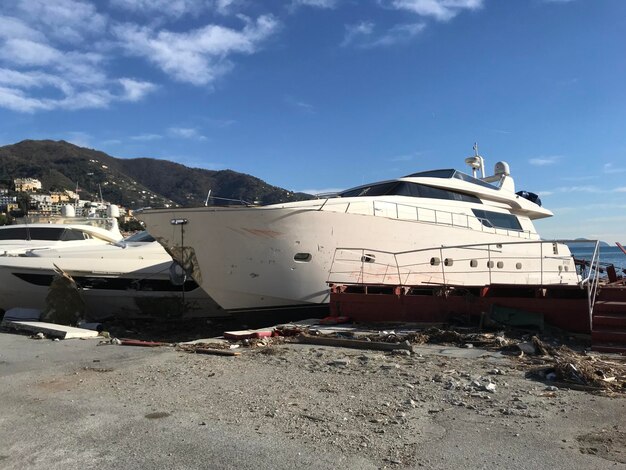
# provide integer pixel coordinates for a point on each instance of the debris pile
(579, 370)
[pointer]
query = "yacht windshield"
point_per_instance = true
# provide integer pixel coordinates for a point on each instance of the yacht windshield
(143, 236)
(405, 188)
(450, 173)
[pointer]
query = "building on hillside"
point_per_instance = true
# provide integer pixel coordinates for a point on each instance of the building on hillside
(60, 197)
(8, 203)
(27, 185)
(41, 203)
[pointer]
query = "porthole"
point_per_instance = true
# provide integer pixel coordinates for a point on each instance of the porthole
(448, 262)
(302, 257)
(368, 258)
(560, 268)
(473, 263)
(566, 268)
(435, 261)
(518, 266)
(500, 265)
(490, 264)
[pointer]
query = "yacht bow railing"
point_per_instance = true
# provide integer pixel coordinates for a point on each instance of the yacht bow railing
(412, 213)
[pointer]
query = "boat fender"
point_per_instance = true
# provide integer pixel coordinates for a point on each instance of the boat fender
(178, 276)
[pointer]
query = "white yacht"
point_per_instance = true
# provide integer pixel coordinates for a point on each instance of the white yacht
(134, 278)
(66, 230)
(433, 227)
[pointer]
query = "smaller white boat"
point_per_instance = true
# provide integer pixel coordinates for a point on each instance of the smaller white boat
(134, 278)
(57, 231)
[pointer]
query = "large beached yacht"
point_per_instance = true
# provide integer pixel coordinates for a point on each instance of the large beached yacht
(440, 227)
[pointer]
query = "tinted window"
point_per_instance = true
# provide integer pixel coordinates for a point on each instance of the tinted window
(373, 190)
(405, 188)
(72, 234)
(140, 237)
(14, 234)
(451, 174)
(46, 233)
(420, 190)
(497, 219)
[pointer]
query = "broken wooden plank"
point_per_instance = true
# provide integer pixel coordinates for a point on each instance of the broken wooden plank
(353, 343)
(216, 352)
(50, 329)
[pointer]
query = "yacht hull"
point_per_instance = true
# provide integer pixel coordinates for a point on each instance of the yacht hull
(263, 257)
(141, 290)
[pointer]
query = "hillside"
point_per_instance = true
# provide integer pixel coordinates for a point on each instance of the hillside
(134, 183)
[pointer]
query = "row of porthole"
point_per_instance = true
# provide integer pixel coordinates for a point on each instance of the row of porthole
(473, 263)
(490, 264)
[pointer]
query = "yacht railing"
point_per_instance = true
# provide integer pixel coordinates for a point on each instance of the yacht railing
(488, 263)
(591, 281)
(412, 213)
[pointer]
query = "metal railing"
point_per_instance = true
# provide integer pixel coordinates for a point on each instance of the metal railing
(366, 266)
(592, 280)
(412, 213)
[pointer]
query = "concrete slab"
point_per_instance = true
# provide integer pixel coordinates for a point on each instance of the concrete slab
(50, 329)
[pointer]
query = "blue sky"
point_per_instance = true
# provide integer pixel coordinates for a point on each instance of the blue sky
(313, 95)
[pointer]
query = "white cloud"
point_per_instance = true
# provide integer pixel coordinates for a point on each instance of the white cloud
(146, 137)
(545, 161)
(186, 133)
(398, 34)
(26, 52)
(14, 28)
(357, 31)
(621, 189)
(315, 3)
(172, 8)
(441, 10)
(135, 90)
(65, 20)
(362, 35)
(198, 56)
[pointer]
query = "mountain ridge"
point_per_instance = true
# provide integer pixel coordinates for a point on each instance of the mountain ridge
(131, 182)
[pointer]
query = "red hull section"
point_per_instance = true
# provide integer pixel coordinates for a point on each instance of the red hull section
(563, 307)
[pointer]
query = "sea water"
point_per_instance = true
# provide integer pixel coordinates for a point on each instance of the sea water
(608, 254)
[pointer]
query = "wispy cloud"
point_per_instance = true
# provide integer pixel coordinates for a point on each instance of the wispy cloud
(363, 35)
(441, 10)
(621, 189)
(328, 4)
(146, 137)
(297, 103)
(170, 8)
(357, 31)
(609, 168)
(198, 56)
(186, 133)
(545, 161)
(60, 54)
(49, 58)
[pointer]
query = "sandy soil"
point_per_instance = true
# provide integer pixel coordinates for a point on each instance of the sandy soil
(76, 404)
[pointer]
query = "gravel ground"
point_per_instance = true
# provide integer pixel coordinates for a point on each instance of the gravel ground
(76, 404)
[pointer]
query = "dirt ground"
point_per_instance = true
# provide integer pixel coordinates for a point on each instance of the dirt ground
(77, 404)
